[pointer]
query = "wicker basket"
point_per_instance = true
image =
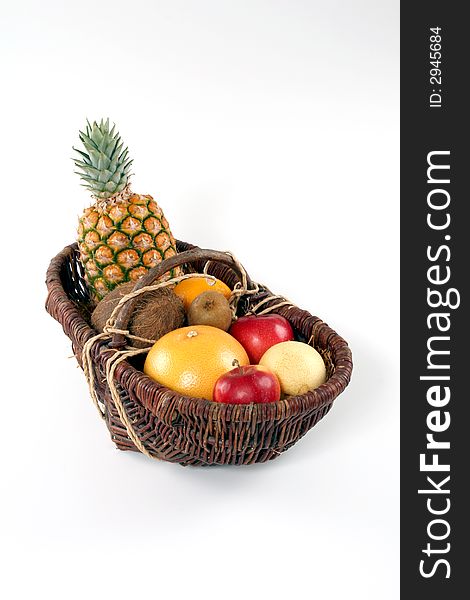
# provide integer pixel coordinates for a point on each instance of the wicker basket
(194, 431)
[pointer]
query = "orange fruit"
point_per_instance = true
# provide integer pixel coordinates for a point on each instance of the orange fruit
(189, 360)
(188, 289)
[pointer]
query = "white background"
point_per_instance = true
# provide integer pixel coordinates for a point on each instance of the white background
(269, 128)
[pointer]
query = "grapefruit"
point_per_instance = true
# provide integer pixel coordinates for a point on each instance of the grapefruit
(189, 360)
(298, 366)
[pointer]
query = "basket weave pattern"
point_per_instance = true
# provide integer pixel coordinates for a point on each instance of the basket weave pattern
(194, 431)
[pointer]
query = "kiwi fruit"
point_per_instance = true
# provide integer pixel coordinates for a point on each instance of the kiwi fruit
(210, 308)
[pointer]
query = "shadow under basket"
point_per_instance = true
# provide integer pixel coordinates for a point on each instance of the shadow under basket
(194, 431)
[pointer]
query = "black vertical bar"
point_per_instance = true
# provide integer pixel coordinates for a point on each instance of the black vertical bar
(436, 123)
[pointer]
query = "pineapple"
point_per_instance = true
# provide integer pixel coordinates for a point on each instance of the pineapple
(122, 234)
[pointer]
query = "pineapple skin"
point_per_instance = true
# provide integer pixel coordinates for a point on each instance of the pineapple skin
(120, 239)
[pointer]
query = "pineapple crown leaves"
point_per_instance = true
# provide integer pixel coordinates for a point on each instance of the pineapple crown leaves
(105, 165)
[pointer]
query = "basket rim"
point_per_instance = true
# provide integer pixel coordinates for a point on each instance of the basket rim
(163, 402)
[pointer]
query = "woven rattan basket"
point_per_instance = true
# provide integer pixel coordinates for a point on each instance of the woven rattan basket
(191, 431)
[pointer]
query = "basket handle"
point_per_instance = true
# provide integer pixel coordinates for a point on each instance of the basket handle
(189, 256)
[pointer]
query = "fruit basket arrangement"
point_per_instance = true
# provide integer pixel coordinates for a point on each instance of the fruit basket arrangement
(188, 360)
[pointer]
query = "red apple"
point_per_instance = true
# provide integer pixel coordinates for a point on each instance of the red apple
(258, 334)
(243, 385)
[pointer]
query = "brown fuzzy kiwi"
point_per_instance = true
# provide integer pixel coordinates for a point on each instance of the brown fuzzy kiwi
(155, 313)
(210, 308)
